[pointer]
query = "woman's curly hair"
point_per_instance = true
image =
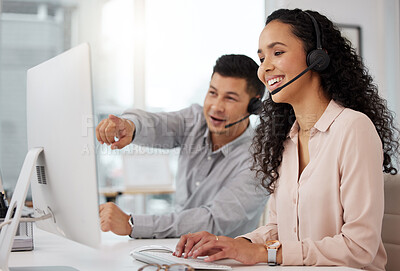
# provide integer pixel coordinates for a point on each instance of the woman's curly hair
(346, 81)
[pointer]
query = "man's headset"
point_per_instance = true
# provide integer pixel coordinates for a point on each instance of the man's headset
(317, 59)
(254, 108)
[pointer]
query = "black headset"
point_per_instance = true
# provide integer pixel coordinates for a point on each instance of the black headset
(317, 55)
(255, 104)
(254, 107)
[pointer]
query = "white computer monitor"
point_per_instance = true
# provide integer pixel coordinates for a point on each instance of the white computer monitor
(62, 168)
(60, 119)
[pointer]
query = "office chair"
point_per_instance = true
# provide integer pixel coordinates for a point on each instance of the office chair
(391, 222)
(1, 184)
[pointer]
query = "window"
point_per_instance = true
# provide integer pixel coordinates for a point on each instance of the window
(31, 32)
(185, 38)
(150, 54)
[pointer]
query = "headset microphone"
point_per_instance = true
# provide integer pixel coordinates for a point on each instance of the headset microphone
(294, 79)
(254, 107)
(231, 124)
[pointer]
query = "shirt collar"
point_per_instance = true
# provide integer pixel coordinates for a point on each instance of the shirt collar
(328, 117)
(207, 138)
(331, 112)
(248, 133)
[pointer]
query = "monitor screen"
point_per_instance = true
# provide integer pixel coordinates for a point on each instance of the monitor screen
(60, 120)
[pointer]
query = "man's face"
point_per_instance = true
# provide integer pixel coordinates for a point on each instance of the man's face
(226, 102)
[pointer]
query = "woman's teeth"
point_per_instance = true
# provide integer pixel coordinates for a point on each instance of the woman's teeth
(274, 80)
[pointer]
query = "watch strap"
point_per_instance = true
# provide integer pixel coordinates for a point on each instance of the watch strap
(272, 256)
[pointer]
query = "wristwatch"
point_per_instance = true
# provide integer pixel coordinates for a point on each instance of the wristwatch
(272, 247)
(130, 221)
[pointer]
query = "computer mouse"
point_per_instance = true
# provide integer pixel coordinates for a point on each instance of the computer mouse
(156, 248)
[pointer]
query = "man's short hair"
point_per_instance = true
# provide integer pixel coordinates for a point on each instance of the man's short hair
(241, 66)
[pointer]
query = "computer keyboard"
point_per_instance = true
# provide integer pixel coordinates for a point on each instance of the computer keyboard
(168, 259)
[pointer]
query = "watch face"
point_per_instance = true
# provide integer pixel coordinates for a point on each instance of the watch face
(273, 244)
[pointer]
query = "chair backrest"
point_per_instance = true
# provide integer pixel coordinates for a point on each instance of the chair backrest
(391, 222)
(1, 184)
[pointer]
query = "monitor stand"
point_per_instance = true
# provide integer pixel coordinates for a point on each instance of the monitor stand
(8, 232)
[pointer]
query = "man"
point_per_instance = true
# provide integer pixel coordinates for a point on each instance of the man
(215, 188)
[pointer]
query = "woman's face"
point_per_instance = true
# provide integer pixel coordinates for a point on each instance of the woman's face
(282, 57)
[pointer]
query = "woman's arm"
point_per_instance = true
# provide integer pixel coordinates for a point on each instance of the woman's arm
(221, 247)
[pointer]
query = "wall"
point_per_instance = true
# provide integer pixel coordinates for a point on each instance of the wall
(28, 36)
(380, 25)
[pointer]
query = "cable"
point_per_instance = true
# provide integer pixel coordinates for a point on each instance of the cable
(5, 223)
(27, 219)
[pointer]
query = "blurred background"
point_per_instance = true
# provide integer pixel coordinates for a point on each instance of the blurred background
(158, 55)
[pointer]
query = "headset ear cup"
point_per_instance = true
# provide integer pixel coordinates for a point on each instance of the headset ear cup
(254, 106)
(320, 56)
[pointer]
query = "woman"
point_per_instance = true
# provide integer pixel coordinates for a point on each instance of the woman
(320, 148)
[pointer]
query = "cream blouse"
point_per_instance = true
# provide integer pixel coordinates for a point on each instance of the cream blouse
(331, 214)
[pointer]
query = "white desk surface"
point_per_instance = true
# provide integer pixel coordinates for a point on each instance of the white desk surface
(52, 250)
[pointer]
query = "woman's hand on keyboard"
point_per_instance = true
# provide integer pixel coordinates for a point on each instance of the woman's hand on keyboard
(191, 241)
(220, 247)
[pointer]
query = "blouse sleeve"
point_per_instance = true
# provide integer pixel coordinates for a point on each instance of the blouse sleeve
(269, 231)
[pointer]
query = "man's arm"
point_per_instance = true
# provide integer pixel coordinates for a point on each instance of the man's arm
(159, 130)
(163, 130)
(240, 201)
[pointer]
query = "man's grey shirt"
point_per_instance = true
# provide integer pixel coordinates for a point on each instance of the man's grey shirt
(215, 191)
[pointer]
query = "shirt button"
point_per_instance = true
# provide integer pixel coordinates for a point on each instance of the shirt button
(294, 200)
(294, 229)
(197, 183)
(209, 158)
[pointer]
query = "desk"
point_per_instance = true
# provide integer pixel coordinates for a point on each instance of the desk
(52, 250)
